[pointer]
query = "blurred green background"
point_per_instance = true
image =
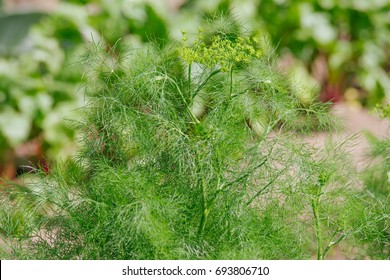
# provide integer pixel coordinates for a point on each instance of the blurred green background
(339, 46)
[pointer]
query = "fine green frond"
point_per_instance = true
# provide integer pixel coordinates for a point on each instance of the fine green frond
(187, 152)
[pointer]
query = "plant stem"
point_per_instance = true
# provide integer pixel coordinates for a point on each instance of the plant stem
(183, 99)
(265, 187)
(189, 78)
(333, 243)
(205, 210)
(203, 221)
(231, 82)
(315, 205)
(214, 72)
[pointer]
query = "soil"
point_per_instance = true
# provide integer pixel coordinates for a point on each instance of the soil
(357, 122)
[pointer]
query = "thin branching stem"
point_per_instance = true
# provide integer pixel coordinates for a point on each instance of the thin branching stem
(205, 210)
(195, 119)
(212, 73)
(189, 78)
(265, 187)
(335, 242)
(315, 208)
(231, 82)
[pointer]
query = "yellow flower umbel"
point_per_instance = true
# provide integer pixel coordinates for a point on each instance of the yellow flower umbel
(222, 52)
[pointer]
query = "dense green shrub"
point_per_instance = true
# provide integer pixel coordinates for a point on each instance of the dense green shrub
(175, 164)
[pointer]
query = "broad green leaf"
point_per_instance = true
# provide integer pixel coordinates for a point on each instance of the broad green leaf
(14, 30)
(14, 126)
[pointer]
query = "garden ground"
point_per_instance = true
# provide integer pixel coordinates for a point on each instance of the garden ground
(356, 122)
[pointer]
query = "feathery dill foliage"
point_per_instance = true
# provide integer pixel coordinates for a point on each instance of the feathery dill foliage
(376, 178)
(177, 163)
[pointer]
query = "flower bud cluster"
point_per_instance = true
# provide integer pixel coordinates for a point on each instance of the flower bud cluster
(222, 52)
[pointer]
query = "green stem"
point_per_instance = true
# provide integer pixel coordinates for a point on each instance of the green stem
(315, 205)
(189, 78)
(205, 210)
(203, 221)
(214, 72)
(333, 243)
(265, 187)
(184, 100)
(231, 82)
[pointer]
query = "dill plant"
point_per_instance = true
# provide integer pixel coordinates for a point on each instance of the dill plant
(376, 178)
(159, 178)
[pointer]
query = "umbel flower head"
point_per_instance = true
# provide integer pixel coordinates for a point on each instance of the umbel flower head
(222, 52)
